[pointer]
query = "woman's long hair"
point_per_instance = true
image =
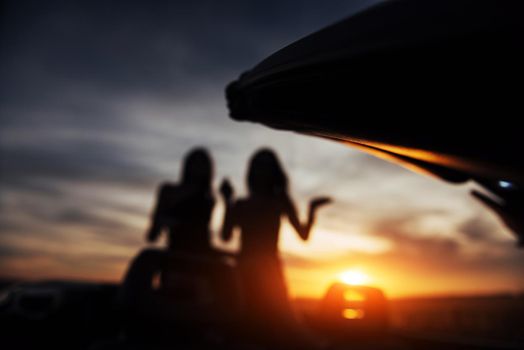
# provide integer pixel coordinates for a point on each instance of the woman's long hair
(265, 175)
(197, 170)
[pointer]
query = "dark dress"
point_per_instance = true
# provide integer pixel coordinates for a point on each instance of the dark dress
(268, 309)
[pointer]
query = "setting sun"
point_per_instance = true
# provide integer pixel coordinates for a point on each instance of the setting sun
(354, 277)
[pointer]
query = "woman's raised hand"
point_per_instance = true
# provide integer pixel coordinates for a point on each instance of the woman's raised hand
(226, 190)
(319, 201)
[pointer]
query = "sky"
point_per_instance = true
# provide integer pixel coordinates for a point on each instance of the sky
(100, 100)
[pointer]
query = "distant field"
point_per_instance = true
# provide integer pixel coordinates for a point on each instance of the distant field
(498, 318)
(494, 317)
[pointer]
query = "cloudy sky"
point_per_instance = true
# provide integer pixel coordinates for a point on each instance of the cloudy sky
(100, 100)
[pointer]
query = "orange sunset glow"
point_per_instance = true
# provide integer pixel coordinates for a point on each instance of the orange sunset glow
(360, 247)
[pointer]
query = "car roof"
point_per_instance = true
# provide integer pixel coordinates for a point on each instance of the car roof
(432, 85)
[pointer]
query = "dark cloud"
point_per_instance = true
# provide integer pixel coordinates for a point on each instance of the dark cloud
(478, 228)
(82, 217)
(48, 225)
(447, 253)
(409, 239)
(7, 252)
(161, 47)
(74, 160)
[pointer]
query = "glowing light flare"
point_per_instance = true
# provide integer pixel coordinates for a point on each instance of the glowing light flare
(353, 314)
(354, 277)
(505, 184)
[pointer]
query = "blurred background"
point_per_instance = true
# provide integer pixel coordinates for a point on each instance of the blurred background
(100, 101)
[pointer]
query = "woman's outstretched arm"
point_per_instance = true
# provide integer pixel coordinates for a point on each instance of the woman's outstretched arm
(303, 230)
(226, 190)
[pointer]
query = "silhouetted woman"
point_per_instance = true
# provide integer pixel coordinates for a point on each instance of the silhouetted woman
(258, 216)
(184, 209)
